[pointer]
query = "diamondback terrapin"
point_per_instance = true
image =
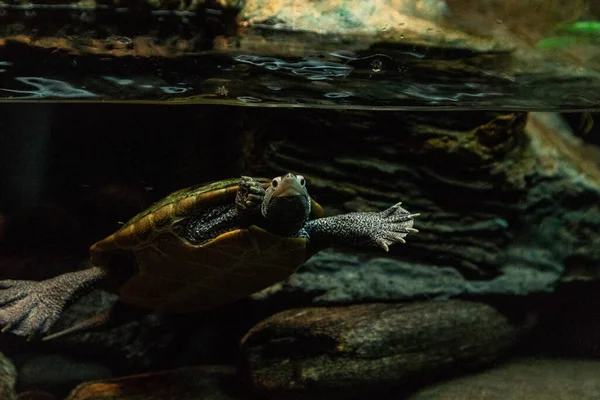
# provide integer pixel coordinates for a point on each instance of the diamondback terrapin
(202, 247)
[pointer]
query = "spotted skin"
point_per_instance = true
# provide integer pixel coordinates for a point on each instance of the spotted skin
(221, 219)
(30, 308)
(361, 229)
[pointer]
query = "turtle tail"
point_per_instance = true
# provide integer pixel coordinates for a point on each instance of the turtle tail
(97, 321)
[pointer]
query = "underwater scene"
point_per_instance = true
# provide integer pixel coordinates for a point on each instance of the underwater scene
(299, 199)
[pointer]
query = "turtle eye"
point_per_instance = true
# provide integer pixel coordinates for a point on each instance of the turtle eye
(301, 180)
(275, 182)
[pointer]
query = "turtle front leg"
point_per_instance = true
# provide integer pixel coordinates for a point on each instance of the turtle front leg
(220, 219)
(30, 308)
(249, 196)
(364, 229)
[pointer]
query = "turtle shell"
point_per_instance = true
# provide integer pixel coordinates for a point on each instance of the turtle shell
(174, 276)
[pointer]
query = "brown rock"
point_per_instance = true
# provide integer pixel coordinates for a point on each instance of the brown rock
(390, 21)
(207, 383)
(341, 351)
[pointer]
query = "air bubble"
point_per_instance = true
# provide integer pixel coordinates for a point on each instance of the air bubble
(173, 89)
(118, 81)
(337, 95)
(48, 88)
(376, 65)
(119, 42)
(249, 99)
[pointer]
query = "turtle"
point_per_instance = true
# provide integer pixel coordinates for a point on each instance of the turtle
(200, 248)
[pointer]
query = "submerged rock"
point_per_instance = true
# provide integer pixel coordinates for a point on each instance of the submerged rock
(337, 352)
(207, 383)
(508, 201)
(523, 378)
(8, 378)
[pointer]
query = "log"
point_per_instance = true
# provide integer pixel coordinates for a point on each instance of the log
(340, 352)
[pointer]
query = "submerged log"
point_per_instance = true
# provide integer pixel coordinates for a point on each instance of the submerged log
(340, 352)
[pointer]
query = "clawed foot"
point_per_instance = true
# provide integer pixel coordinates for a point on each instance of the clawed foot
(392, 225)
(27, 308)
(250, 194)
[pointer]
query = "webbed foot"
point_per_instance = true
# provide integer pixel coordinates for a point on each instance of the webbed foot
(363, 229)
(27, 308)
(391, 226)
(30, 308)
(250, 195)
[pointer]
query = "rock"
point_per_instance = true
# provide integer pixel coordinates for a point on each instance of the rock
(392, 21)
(337, 17)
(208, 383)
(337, 352)
(489, 17)
(188, 26)
(523, 378)
(58, 373)
(508, 201)
(8, 378)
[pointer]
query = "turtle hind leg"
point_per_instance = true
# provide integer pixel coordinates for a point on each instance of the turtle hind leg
(30, 308)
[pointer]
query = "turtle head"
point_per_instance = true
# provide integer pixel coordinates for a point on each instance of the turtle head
(286, 205)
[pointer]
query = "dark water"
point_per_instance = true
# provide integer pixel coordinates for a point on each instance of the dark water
(73, 173)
